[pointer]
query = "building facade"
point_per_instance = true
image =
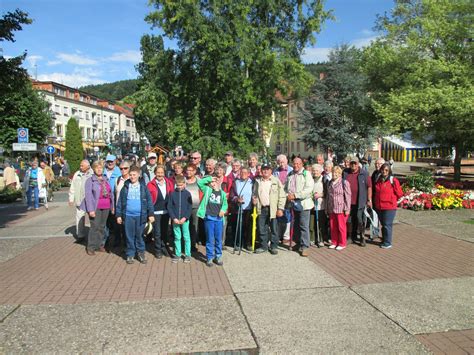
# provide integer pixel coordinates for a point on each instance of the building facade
(101, 123)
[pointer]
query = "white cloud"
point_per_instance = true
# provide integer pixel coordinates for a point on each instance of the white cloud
(53, 62)
(72, 80)
(131, 56)
(76, 59)
(314, 55)
(367, 33)
(363, 42)
(33, 59)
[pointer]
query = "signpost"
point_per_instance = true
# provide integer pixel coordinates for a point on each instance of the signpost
(50, 150)
(24, 147)
(23, 136)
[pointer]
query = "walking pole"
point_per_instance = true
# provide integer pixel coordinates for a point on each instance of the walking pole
(237, 230)
(240, 230)
(254, 227)
(292, 227)
(317, 220)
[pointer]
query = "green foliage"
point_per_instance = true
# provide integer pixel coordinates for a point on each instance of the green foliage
(216, 91)
(421, 72)
(59, 182)
(422, 181)
(115, 91)
(337, 113)
(20, 105)
(74, 152)
(9, 195)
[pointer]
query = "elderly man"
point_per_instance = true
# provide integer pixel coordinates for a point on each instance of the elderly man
(320, 159)
(195, 158)
(148, 169)
(269, 197)
(76, 195)
(299, 187)
(281, 172)
(361, 196)
(252, 164)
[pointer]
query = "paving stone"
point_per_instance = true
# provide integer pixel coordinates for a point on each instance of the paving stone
(264, 272)
(175, 325)
(425, 306)
(10, 248)
(5, 310)
(322, 321)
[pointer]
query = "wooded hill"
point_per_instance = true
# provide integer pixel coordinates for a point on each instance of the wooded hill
(115, 91)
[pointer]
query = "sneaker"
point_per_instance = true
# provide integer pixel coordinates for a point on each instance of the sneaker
(304, 252)
(332, 246)
(386, 246)
(36, 208)
(29, 208)
(158, 255)
(320, 244)
(129, 259)
(260, 251)
(219, 261)
(187, 259)
(274, 251)
(46, 206)
(209, 263)
(340, 248)
(141, 258)
(175, 259)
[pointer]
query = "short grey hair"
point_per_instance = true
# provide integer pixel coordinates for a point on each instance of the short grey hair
(125, 163)
(282, 157)
(380, 160)
(222, 165)
(236, 161)
(317, 166)
(86, 162)
(328, 163)
(211, 161)
(253, 155)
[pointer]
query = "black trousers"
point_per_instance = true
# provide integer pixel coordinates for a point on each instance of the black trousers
(160, 230)
(357, 221)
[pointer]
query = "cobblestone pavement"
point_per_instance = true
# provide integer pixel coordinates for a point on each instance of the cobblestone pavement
(413, 298)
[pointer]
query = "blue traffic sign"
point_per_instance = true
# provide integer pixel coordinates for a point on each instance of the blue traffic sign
(50, 149)
(22, 135)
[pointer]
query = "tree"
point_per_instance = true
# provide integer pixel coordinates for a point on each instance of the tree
(217, 89)
(337, 114)
(20, 104)
(421, 72)
(74, 152)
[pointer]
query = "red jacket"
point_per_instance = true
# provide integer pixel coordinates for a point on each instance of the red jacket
(154, 189)
(387, 194)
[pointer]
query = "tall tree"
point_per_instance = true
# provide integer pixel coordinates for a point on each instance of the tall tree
(74, 152)
(20, 105)
(421, 72)
(217, 89)
(337, 114)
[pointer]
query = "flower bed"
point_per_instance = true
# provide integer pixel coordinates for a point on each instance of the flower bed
(440, 198)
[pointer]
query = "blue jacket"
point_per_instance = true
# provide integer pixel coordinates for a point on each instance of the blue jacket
(180, 204)
(146, 202)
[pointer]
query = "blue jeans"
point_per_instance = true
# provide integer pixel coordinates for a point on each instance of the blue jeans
(35, 192)
(213, 226)
(134, 235)
(386, 218)
(301, 227)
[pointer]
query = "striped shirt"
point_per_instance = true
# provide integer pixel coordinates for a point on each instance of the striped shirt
(339, 197)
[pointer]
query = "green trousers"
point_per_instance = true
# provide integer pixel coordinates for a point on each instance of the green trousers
(182, 230)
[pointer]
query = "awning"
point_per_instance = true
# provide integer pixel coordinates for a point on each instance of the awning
(87, 145)
(61, 147)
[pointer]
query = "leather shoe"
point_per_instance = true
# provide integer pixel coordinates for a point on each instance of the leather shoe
(304, 252)
(90, 252)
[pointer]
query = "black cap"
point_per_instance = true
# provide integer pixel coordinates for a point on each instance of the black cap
(266, 166)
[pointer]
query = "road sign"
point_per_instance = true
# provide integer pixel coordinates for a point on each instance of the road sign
(50, 149)
(24, 147)
(22, 135)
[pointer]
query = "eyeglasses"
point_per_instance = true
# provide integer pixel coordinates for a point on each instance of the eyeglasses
(126, 168)
(193, 157)
(110, 161)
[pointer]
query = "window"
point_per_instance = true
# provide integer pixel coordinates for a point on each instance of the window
(65, 111)
(73, 112)
(87, 115)
(82, 98)
(89, 133)
(128, 123)
(59, 91)
(82, 132)
(57, 109)
(93, 101)
(71, 94)
(59, 130)
(292, 146)
(80, 114)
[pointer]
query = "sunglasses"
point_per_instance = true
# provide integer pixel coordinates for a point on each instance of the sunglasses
(124, 168)
(193, 157)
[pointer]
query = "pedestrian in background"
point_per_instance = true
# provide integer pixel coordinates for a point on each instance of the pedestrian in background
(34, 181)
(76, 196)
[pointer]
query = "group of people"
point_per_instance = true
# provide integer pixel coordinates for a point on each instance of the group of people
(211, 203)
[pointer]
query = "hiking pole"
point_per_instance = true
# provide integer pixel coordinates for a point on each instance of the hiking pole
(254, 227)
(316, 202)
(240, 230)
(236, 230)
(292, 227)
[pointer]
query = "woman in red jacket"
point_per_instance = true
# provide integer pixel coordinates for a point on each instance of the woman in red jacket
(387, 193)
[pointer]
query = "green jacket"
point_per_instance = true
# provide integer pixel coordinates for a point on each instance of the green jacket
(206, 190)
(277, 196)
(304, 187)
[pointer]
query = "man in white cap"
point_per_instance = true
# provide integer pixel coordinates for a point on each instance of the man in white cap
(148, 170)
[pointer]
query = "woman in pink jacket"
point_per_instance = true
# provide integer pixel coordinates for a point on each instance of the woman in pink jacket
(338, 208)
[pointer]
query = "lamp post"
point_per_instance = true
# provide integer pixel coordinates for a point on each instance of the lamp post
(59, 141)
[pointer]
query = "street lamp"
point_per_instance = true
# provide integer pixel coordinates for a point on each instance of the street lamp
(59, 141)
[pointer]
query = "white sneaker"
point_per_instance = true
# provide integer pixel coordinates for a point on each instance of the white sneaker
(340, 248)
(332, 246)
(29, 208)
(46, 206)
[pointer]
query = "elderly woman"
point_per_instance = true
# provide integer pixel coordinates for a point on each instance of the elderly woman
(98, 202)
(33, 182)
(338, 208)
(387, 193)
(318, 216)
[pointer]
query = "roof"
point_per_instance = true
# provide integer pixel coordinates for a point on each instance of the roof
(405, 142)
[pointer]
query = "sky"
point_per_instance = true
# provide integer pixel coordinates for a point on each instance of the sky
(82, 42)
